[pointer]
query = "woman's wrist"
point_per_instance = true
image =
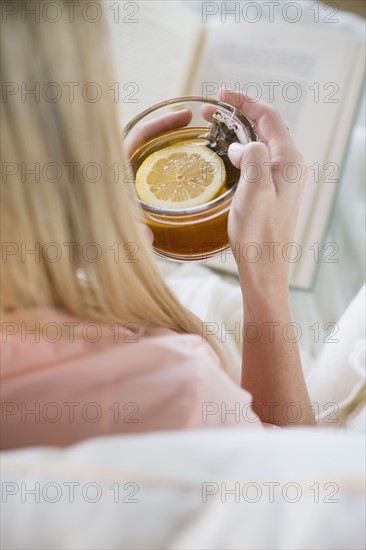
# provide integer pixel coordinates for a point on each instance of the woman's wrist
(266, 306)
(264, 289)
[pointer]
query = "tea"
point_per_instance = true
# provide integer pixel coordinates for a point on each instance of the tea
(196, 232)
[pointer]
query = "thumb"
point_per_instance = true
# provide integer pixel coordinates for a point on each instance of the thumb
(252, 158)
(236, 153)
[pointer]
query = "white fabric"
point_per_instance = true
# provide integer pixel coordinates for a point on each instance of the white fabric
(336, 379)
(218, 302)
(166, 473)
(338, 376)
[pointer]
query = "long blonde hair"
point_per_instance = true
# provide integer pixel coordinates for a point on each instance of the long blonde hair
(61, 147)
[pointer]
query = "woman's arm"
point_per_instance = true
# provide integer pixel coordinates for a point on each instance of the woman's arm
(271, 369)
(264, 212)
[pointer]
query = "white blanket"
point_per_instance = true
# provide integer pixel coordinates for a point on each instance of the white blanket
(336, 379)
(228, 489)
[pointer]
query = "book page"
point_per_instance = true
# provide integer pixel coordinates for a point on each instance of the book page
(154, 44)
(320, 205)
(308, 82)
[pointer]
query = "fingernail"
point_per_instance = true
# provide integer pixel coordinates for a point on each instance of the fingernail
(235, 152)
(236, 148)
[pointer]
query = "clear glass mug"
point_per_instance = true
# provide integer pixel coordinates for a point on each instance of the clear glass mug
(199, 232)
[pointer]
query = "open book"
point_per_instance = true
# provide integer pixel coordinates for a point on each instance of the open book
(312, 73)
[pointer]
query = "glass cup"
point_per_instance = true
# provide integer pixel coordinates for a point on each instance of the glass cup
(198, 232)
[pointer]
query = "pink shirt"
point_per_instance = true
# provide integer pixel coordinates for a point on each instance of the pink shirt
(81, 379)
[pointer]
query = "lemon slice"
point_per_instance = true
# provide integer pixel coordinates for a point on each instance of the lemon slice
(180, 176)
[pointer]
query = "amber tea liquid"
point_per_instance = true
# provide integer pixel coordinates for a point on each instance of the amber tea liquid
(198, 232)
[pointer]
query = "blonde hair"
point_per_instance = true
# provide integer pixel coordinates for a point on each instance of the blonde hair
(62, 206)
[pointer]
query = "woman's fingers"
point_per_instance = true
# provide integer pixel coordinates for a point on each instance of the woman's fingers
(266, 118)
(254, 162)
(207, 111)
(275, 135)
(144, 132)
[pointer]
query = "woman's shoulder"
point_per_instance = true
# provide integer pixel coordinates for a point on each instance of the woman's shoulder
(168, 380)
(155, 378)
(35, 338)
(181, 344)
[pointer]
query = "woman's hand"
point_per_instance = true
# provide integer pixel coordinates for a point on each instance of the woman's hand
(264, 211)
(266, 204)
(144, 132)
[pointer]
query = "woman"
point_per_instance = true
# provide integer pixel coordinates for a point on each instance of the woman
(93, 341)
